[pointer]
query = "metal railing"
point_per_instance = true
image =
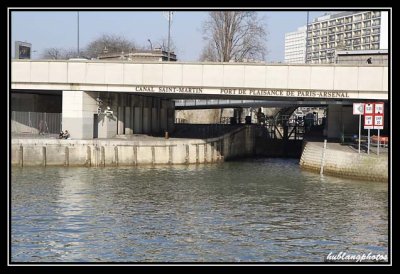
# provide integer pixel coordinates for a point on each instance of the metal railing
(35, 122)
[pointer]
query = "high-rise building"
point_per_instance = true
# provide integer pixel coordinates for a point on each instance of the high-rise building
(295, 46)
(350, 30)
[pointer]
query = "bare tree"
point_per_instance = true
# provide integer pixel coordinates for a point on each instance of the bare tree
(234, 35)
(71, 53)
(53, 53)
(59, 53)
(209, 53)
(109, 42)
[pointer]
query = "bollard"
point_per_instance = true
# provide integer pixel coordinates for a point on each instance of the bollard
(166, 135)
(323, 158)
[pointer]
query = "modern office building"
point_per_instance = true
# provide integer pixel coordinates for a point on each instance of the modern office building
(295, 46)
(346, 31)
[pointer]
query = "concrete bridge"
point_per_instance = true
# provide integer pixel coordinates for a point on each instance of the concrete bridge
(181, 80)
(139, 94)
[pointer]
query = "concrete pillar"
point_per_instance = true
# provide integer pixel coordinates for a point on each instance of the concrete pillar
(107, 126)
(120, 117)
(163, 119)
(132, 118)
(138, 122)
(155, 123)
(171, 116)
(128, 123)
(146, 120)
(78, 109)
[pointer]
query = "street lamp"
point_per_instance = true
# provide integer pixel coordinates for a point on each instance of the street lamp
(308, 15)
(151, 46)
(169, 32)
(78, 33)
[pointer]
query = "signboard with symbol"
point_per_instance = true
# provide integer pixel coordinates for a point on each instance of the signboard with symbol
(358, 108)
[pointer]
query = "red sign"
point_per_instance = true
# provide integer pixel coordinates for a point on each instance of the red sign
(378, 121)
(373, 115)
(368, 121)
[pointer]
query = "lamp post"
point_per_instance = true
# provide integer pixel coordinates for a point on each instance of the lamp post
(169, 32)
(151, 45)
(78, 34)
(308, 13)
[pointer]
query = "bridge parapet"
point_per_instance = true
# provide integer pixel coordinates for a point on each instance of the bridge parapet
(196, 79)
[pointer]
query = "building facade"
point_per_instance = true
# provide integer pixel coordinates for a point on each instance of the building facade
(157, 55)
(350, 30)
(295, 46)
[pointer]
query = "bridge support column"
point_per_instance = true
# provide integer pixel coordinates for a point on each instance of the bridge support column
(171, 116)
(120, 117)
(138, 121)
(78, 109)
(146, 120)
(128, 121)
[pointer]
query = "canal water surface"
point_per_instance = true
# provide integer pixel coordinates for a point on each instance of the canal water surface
(260, 210)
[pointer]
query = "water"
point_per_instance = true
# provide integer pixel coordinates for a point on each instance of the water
(261, 210)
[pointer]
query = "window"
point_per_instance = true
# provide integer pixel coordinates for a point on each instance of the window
(367, 32)
(367, 24)
(376, 22)
(376, 14)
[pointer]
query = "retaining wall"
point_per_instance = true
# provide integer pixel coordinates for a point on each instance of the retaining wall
(346, 164)
(97, 152)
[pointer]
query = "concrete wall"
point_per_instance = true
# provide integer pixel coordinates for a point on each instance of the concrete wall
(340, 120)
(366, 82)
(346, 164)
(358, 59)
(54, 152)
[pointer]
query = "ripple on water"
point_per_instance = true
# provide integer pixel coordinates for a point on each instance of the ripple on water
(262, 210)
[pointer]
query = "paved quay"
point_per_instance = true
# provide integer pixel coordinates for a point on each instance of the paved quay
(345, 161)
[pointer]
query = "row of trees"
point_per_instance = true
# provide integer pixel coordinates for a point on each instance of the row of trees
(229, 35)
(112, 43)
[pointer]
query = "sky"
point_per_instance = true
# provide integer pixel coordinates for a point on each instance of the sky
(59, 29)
